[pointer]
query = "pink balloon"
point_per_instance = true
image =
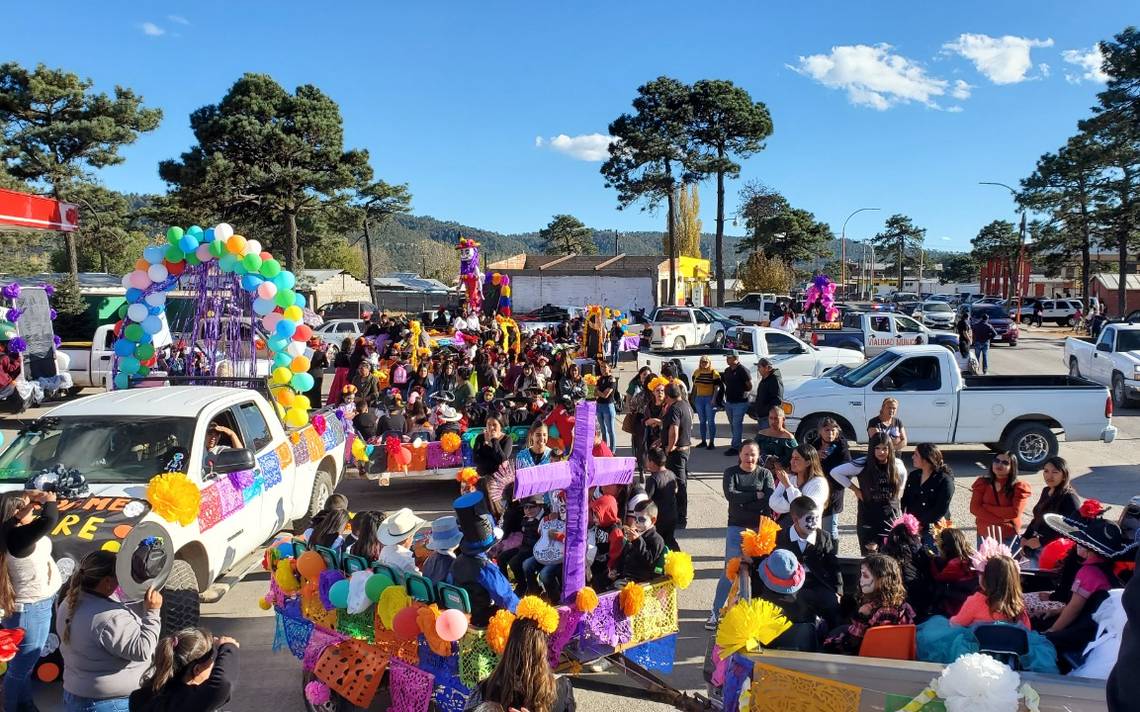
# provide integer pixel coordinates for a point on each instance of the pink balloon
(451, 625)
(203, 253)
(140, 280)
(267, 290)
(269, 321)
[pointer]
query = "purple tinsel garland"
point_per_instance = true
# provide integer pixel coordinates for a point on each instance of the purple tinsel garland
(10, 291)
(13, 314)
(17, 345)
(49, 289)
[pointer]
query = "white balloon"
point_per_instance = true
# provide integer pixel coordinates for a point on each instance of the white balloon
(155, 299)
(203, 253)
(296, 348)
(137, 312)
(126, 281)
(252, 247)
(157, 273)
(223, 231)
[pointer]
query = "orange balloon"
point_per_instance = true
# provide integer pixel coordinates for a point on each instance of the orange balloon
(300, 364)
(285, 396)
(310, 565)
(235, 244)
(47, 672)
(141, 264)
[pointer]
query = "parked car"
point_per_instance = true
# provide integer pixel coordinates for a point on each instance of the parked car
(935, 314)
(334, 331)
(678, 328)
(872, 332)
(796, 359)
(1113, 360)
(1023, 414)
(904, 297)
(721, 318)
(754, 307)
(1003, 324)
(1061, 312)
(347, 310)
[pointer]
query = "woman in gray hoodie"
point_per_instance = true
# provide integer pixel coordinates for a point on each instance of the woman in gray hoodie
(106, 644)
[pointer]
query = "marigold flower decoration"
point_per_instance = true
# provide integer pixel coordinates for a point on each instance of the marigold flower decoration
(539, 611)
(467, 476)
(174, 497)
(659, 382)
(760, 543)
(590, 379)
(748, 625)
(425, 619)
(679, 567)
(632, 598)
(732, 568)
(586, 600)
(449, 443)
(499, 629)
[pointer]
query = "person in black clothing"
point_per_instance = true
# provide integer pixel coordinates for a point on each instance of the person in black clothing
(318, 362)
(833, 452)
(982, 333)
(366, 421)
(737, 384)
(192, 671)
(678, 429)
(534, 509)
(644, 549)
(1123, 688)
(366, 384)
(1038, 310)
(661, 486)
(485, 374)
(819, 554)
(341, 360)
(616, 334)
(770, 392)
(394, 420)
(1058, 497)
(492, 447)
(779, 579)
(928, 489)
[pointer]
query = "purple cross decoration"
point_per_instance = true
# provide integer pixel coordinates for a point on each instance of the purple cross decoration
(577, 476)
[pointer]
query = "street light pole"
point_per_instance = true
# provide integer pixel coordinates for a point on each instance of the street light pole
(1020, 250)
(843, 249)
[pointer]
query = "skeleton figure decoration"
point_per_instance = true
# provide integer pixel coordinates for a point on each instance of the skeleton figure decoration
(470, 275)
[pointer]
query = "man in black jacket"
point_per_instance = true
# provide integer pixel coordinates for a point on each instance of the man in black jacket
(819, 553)
(771, 390)
(737, 392)
(1123, 687)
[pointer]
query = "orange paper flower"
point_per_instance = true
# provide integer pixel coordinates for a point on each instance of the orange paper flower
(632, 598)
(539, 611)
(499, 629)
(732, 568)
(586, 600)
(758, 544)
(425, 618)
(467, 476)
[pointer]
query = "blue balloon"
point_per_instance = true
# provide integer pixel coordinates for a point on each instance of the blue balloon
(188, 243)
(285, 280)
(129, 365)
(228, 262)
(154, 254)
(301, 382)
(134, 294)
(250, 282)
(285, 328)
(208, 235)
(194, 230)
(122, 381)
(239, 268)
(299, 299)
(285, 549)
(123, 347)
(152, 325)
(261, 307)
(277, 343)
(282, 360)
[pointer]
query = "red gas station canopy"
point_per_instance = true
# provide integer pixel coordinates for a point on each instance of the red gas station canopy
(34, 212)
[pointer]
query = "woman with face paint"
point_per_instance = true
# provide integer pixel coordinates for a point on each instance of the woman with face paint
(880, 487)
(882, 599)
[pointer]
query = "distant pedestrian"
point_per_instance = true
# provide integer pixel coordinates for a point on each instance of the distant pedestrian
(770, 392)
(678, 436)
(616, 335)
(1038, 314)
(965, 333)
(661, 486)
(706, 385)
(737, 382)
(982, 334)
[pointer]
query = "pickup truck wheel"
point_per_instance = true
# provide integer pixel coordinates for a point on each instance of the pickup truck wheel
(1120, 397)
(1032, 444)
(1074, 368)
(180, 605)
(679, 343)
(322, 488)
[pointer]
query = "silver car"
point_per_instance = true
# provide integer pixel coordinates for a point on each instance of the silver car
(935, 314)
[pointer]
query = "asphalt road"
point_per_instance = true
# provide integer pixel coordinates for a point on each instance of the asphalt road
(1107, 472)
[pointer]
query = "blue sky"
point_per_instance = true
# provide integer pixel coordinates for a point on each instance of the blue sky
(899, 105)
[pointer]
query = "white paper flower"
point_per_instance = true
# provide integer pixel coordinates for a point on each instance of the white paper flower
(133, 509)
(978, 683)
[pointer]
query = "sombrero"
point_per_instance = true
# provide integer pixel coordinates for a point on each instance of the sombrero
(1099, 535)
(145, 560)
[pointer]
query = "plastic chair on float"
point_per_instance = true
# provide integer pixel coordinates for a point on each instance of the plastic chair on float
(894, 642)
(1003, 641)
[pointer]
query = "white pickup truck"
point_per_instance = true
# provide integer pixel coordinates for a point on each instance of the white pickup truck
(796, 359)
(678, 328)
(1023, 414)
(1113, 361)
(119, 440)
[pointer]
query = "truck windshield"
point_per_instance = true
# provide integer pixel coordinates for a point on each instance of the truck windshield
(672, 316)
(105, 449)
(867, 372)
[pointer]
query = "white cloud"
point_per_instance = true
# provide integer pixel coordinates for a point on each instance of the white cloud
(1089, 60)
(954, 109)
(1003, 60)
(152, 30)
(873, 76)
(585, 147)
(946, 239)
(960, 90)
(1044, 69)
(178, 19)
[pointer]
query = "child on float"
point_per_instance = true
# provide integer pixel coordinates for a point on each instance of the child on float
(643, 552)
(607, 540)
(779, 579)
(545, 562)
(534, 509)
(396, 534)
(487, 588)
(328, 526)
(819, 553)
(444, 540)
(954, 576)
(903, 543)
(882, 602)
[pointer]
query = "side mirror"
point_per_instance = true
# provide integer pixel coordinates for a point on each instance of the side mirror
(230, 460)
(1102, 346)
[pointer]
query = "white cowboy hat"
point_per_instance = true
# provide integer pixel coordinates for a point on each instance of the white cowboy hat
(447, 414)
(399, 526)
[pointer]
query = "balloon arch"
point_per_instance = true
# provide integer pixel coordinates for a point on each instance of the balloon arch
(227, 274)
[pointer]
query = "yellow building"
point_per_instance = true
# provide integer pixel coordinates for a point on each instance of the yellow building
(693, 280)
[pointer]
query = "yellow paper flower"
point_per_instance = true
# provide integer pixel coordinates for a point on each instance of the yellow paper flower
(393, 599)
(732, 568)
(174, 497)
(632, 598)
(586, 600)
(758, 544)
(679, 567)
(590, 379)
(499, 629)
(748, 625)
(539, 611)
(285, 578)
(658, 382)
(467, 476)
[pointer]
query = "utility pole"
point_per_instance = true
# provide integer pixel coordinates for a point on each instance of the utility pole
(843, 239)
(1020, 250)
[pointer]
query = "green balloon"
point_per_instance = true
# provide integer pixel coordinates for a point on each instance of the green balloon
(284, 298)
(174, 234)
(144, 351)
(133, 332)
(375, 584)
(270, 268)
(218, 248)
(173, 254)
(192, 259)
(252, 263)
(144, 371)
(123, 312)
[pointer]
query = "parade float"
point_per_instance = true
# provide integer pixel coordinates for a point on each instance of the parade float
(357, 626)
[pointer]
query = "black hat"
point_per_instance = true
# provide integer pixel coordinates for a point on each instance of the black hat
(475, 522)
(1099, 535)
(144, 561)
